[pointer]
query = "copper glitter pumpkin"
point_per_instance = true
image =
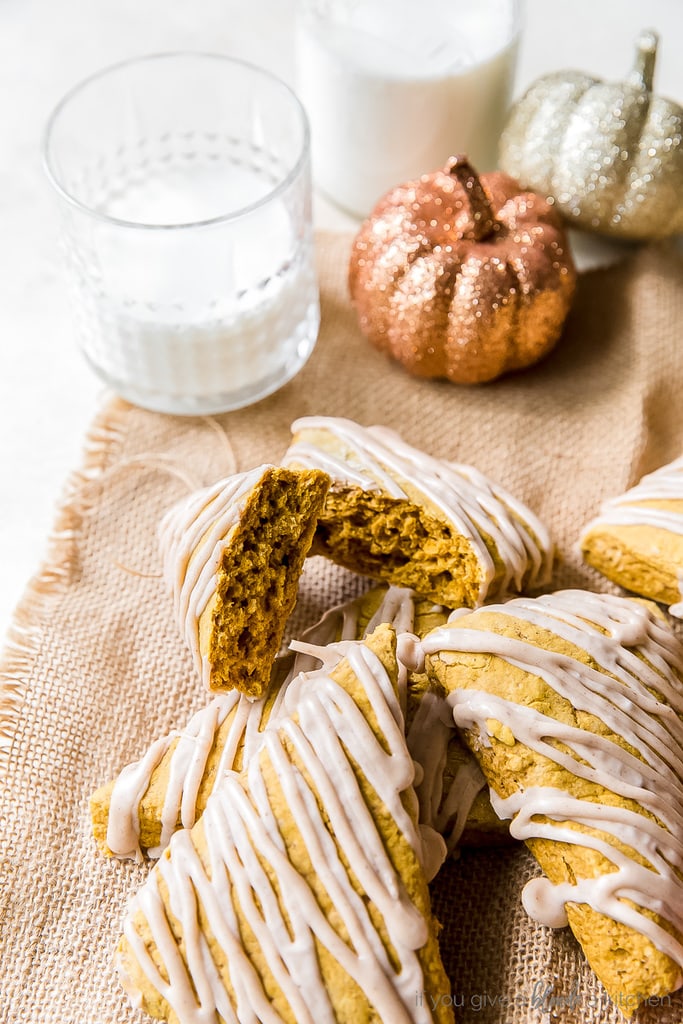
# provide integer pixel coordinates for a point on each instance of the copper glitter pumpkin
(461, 276)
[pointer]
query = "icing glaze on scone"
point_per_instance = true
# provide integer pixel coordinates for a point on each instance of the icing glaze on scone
(628, 509)
(636, 539)
(329, 760)
(233, 554)
(377, 459)
(443, 806)
(636, 754)
(192, 538)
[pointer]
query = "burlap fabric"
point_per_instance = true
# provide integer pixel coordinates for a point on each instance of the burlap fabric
(94, 669)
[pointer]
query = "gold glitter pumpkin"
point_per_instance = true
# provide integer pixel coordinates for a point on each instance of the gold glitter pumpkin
(609, 154)
(461, 276)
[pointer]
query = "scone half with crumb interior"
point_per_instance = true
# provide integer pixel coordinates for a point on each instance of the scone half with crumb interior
(232, 556)
(402, 517)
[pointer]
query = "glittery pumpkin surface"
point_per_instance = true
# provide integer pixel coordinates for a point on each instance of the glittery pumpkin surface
(462, 277)
(609, 154)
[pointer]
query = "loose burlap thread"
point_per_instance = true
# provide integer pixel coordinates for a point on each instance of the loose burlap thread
(94, 668)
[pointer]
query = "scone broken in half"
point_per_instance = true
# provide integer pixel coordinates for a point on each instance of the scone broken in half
(400, 516)
(232, 556)
(573, 705)
(300, 895)
(636, 540)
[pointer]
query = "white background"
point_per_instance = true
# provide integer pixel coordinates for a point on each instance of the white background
(47, 394)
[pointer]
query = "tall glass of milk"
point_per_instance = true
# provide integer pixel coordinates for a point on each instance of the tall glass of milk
(184, 182)
(393, 89)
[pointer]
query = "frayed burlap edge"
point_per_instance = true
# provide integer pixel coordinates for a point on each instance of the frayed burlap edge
(24, 634)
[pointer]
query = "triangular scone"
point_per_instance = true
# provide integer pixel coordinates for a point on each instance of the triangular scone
(232, 556)
(636, 540)
(573, 704)
(300, 895)
(400, 516)
(169, 786)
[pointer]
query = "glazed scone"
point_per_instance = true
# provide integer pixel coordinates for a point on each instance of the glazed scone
(232, 556)
(300, 894)
(636, 540)
(397, 515)
(573, 705)
(168, 787)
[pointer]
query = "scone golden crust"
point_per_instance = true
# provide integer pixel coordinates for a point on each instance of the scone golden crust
(400, 516)
(168, 787)
(573, 705)
(636, 540)
(300, 895)
(232, 556)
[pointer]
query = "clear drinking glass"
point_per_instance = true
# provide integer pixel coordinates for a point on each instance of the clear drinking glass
(392, 90)
(184, 183)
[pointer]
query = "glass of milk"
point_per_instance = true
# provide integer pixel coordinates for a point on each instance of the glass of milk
(184, 183)
(393, 89)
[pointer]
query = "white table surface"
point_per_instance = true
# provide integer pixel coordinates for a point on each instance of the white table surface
(48, 396)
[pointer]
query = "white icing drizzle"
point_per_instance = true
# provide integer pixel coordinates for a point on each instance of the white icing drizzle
(676, 609)
(193, 745)
(192, 537)
(123, 822)
(442, 811)
(457, 803)
(376, 458)
(665, 484)
(614, 631)
(241, 832)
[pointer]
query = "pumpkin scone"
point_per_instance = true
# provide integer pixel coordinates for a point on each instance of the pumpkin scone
(636, 540)
(400, 516)
(232, 556)
(573, 705)
(300, 895)
(168, 787)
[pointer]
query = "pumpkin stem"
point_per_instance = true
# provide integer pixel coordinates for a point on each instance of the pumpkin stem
(483, 221)
(643, 72)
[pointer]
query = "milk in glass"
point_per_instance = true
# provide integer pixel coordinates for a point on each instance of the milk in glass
(229, 319)
(184, 185)
(392, 90)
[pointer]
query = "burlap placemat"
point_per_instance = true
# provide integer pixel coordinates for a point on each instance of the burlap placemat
(94, 669)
